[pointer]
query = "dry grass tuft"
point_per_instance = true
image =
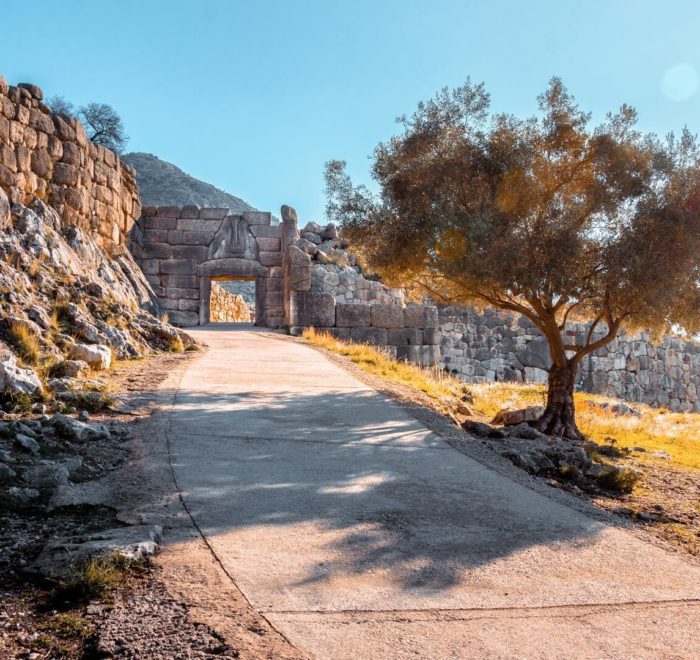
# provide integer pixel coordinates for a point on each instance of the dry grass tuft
(26, 343)
(433, 382)
(93, 579)
(175, 345)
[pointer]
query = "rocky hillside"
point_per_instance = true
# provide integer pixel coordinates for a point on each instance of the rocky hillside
(67, 308)
(162, 183)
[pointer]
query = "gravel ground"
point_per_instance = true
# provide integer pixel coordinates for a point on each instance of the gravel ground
(145, 622)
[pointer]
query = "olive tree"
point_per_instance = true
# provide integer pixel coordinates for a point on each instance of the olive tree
(546, 216)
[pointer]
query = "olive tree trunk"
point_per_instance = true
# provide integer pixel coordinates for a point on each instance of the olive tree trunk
(559, 417)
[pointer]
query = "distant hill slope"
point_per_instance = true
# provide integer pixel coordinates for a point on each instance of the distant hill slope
(162, 183)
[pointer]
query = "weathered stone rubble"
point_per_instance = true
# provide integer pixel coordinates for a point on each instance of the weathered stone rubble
(44, 463)
(586, 465)
(227, 307)
(48, 156)
(41, 455)
(496, 346)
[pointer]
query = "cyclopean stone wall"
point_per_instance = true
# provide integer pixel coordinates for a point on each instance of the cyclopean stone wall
(497, 346)
(324, 289)
(49, 156)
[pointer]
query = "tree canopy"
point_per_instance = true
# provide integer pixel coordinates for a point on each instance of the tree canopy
(104, 126)
(102, 123)
(546, 216)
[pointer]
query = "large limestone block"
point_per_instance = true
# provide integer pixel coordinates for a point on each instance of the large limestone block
(432, 336)
(410, 354)
(98, 356)
(190, 211)
(179, 267)
(421, 316)
(352, 315)
(271, 258)
(268, 244)
(265, 231)
(405, 337)
(374, 336)
(536, 354)
(430, 355)
(153, 222)
(5, 216)
(387, 316)
(258, 217)
(312, 309)
(169, 211)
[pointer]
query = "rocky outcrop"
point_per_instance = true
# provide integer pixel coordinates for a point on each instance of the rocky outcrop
(163, 184)
(67, 304)
(48, 156)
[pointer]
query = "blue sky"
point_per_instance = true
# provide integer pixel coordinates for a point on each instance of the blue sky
(255, 96)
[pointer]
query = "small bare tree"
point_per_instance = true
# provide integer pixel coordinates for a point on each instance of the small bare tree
(544, 216)
(104, 126)
(61, 106)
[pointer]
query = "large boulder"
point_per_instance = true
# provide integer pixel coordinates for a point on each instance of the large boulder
(509, 417)
(98, 356)
(5, 215)
(16, 379)
(60, 558)
(74, 429)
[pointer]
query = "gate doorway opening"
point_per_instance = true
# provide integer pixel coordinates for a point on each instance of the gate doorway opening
(232, 300)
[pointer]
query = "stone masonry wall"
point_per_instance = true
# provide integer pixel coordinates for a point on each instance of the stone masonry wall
(325, 290)
(49, 156)
(497, 346)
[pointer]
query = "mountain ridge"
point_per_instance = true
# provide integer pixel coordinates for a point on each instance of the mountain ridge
(162, 184)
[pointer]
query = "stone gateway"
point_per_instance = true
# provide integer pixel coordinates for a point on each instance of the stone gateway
(302, 278)
(182, 249)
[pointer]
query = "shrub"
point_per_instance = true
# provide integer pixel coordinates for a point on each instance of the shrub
(22, 401)
(91, 580)
(175, 345)
(619, 479)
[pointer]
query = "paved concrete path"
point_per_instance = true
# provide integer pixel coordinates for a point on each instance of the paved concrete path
(360, 534)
